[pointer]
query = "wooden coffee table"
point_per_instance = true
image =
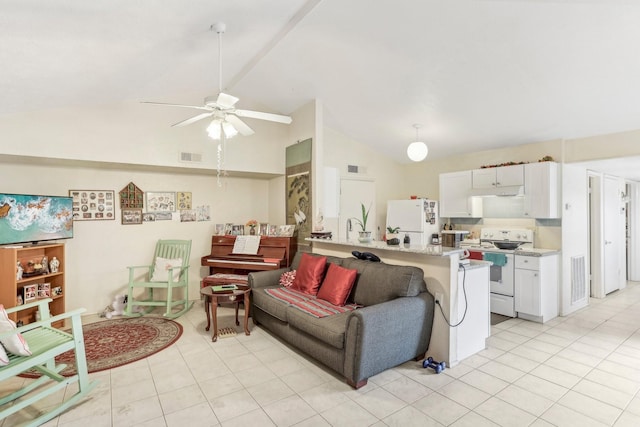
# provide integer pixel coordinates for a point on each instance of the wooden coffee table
(236, 296)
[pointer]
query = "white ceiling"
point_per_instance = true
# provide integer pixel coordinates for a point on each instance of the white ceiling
(476, 74)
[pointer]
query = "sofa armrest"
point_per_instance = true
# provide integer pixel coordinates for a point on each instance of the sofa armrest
(385, 335)
(262, 279)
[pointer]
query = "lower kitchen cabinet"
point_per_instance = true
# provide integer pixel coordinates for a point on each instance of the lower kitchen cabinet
(536, 287)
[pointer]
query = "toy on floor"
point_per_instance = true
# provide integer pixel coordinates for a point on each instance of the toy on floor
(116, 308)
(436, 366)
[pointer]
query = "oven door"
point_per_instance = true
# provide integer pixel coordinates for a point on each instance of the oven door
(502, 277)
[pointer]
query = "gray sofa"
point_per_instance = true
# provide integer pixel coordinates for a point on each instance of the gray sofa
(393, 326)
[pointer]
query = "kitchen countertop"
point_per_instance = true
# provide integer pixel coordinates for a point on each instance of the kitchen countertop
(536, 252)
(431, 250)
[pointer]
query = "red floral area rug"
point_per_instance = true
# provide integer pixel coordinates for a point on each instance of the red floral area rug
(116, 342)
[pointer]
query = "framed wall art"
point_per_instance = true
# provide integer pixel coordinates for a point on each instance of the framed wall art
(93, 205)
(161, 201)
(131, 216)
(184, 200)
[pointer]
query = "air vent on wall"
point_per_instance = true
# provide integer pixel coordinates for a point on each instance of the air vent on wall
(190, 157)
(356, 169)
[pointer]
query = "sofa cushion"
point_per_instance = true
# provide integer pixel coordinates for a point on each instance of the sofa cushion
(330, 329)
(309, 274)
(268, 304)
(337, 284)
(379, 282)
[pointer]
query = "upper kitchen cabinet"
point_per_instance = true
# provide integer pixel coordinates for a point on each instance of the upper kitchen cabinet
(455, 198)
(541, 195)
(502, 176)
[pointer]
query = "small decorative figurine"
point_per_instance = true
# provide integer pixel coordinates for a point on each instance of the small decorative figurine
(54, 265)
(45, 265)
(19, 271)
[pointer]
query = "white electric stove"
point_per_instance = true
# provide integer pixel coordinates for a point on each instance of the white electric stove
(502, 271)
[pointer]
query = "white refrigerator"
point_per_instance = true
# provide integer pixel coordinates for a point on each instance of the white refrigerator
(417, 218)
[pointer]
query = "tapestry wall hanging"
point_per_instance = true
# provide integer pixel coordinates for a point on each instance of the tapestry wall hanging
(298, 188)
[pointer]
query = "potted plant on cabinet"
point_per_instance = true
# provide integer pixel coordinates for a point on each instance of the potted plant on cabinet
(364, 235)
(392, 236)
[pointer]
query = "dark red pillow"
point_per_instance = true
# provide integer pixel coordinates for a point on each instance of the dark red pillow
(309, 274)
(337, 284)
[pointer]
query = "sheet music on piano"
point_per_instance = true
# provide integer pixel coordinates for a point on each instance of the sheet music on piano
(246, 245)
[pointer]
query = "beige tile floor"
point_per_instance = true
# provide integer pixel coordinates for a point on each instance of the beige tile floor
(580, 370)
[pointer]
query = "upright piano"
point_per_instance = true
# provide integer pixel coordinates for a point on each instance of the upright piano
(273, 253)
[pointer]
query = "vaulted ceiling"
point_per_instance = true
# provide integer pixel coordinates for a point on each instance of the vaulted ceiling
(476, 74)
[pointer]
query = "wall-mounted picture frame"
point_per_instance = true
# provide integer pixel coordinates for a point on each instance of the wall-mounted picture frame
(160, 201)
(184, 200)
(93, 205)
(203, 213)
(187, 215)
(163, 216)
(131, 216)
(30, 292)
(149, 217)
(263, 229)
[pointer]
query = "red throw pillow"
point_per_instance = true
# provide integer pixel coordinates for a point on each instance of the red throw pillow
(309, 274)
(337, 285)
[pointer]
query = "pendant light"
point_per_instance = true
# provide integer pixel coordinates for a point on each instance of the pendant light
(417, 151)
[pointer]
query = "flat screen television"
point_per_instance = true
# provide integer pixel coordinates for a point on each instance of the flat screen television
(26, 218)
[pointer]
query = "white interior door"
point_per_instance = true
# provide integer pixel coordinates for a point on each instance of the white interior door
(352, 193)
(611, 233)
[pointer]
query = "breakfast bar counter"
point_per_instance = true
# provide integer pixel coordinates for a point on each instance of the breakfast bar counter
(462, 326)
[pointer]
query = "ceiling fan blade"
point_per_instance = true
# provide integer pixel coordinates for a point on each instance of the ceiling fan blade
(264, 116)
(193, 119)
(241, 126)
(226, 101)
(197, 107)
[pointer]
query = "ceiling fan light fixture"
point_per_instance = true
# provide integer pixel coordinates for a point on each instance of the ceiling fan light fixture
(417, 151)
(214, 130)
(229, 130)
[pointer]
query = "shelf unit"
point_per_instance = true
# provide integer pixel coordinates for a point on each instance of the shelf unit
(10, 287)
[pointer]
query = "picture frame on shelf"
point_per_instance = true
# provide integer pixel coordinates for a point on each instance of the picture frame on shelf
(263, 229)
(286, 230)
(219, 230)
(30, 293)
(160, 201)
(131, 216)
(237, 230)
(228, 228)
(273, 230)
(93, 205)
(56, 291)
(44, 290)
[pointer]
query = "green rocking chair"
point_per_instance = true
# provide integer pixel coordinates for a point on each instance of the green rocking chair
(168, 272)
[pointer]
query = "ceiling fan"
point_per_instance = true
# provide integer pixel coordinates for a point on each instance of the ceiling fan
(226, 118)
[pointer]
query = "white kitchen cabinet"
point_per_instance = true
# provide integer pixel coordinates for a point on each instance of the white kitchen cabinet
(455, 198)
(536, 287)
(541, 190)
(503, 176)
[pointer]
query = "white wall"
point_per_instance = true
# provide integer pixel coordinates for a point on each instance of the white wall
(575, 236)
(100, 251)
